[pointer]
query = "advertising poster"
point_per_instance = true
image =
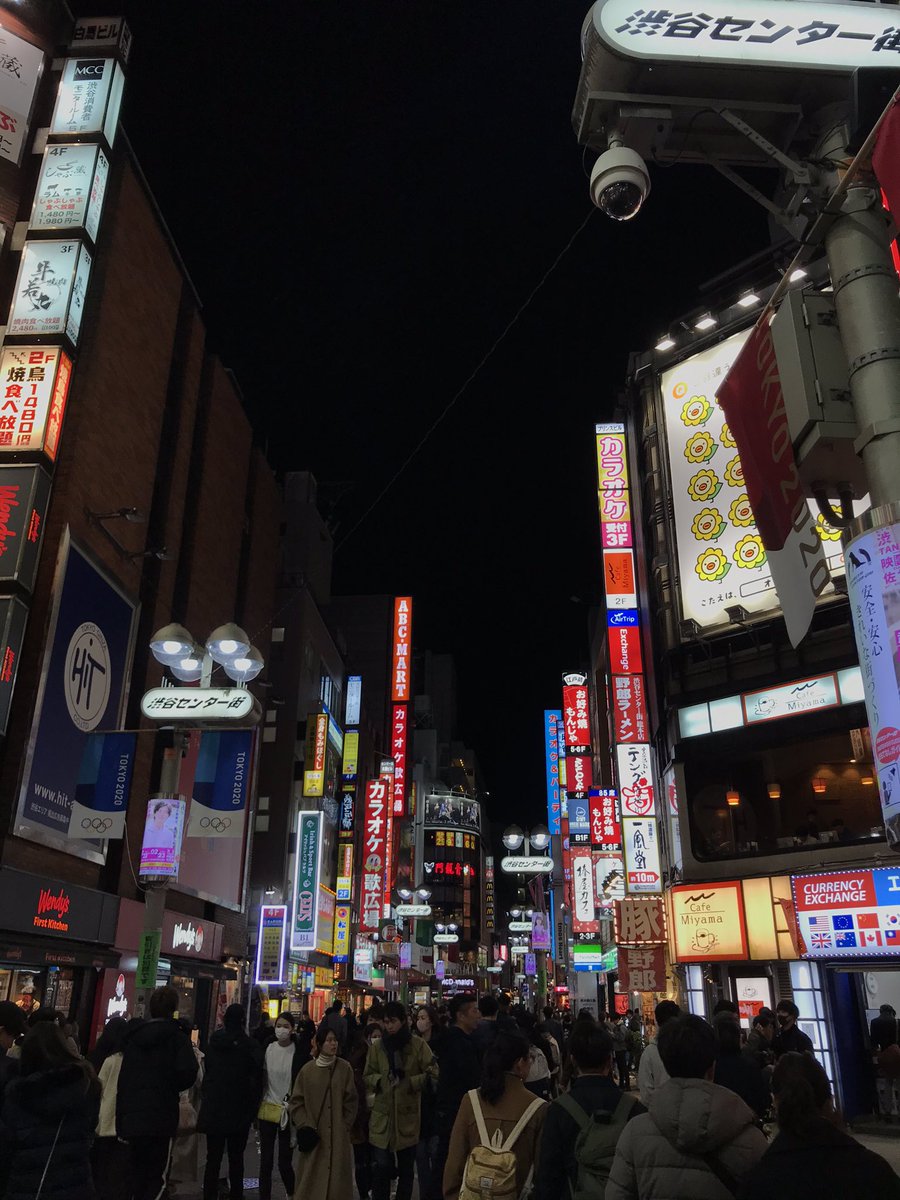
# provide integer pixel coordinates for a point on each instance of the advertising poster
(341, 932)
(21, 66)
(540, 930)
(629, 709)
(606, 825)
(270, 943)
(451, 812)
(612, 478)
(221, 784)
(306, 881)
(353, 707)
(89, 98)
(24, 496)
(399, 731)
(314, 760)
(50, 288)
(100, 804)
(161, 843)
(643, 872)
(579, 822)
(873, 589)
(846, 914)
(721, 558)
(583, 905)
(83, 687)
(576, 718)
(619, 580)
(35, 385)
(636, 793)
(708, 922)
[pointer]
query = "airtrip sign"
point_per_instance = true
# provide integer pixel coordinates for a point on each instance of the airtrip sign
(769, 33)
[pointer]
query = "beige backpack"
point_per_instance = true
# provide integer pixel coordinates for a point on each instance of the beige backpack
(490, 1171)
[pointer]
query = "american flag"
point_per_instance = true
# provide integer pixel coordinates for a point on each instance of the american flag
(820, 923)
(821, 941)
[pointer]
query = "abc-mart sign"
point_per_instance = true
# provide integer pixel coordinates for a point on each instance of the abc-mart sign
(767, 33)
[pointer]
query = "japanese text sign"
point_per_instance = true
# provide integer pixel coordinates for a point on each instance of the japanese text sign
(552, 722)
(643, 872)
(21, 65)
(270, 943)
(399, 735)
(70, 190)
(314, 762)
(640, 922)
(374, 846)
(618, 579)
(89, 98)
(344, 870)
(341, 933)
(34, 386)
(401, 654)
(606, 828)
(625, 649)
(774, 33)
(636, 793)
(873, 588)
(642, 968)
(50, 289)
(612, 476)
(306, 880)
(849, 913)
(353, 706)
(110, 32)
(576, 718)
(579, 822)
(629, 709)
(708, 922)
(583, 896)
(579, 776)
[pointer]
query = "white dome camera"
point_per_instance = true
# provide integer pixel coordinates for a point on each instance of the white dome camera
(620, 183)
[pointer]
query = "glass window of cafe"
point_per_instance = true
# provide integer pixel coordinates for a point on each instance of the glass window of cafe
(785, 788)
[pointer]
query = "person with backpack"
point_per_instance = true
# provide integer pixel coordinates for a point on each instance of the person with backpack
(582, 1127)
(698, 1140)
(496, 1136)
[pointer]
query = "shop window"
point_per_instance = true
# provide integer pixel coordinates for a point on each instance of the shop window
(806, 984)
(798, 794)
(696, 990)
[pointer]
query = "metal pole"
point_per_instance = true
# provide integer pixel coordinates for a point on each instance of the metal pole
(868, 312)
(155, 896)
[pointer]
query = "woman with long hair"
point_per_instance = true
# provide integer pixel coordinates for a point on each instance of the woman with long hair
(501, 1110)
(812, 1156)
(541, 1062)
(323, 1108)
(109, 1156)
(47, 1121)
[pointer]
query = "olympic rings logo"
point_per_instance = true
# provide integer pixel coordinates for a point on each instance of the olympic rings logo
(98, 824)
(219, 824)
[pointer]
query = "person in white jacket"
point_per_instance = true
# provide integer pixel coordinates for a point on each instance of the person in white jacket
(698, 1140)
(651, 1072)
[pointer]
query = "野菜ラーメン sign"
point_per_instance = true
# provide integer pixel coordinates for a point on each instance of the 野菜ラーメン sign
(707, 922)
(848, 914)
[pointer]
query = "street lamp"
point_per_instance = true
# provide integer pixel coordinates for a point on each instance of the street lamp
(513, 837)
(540, 837)
(174, 647)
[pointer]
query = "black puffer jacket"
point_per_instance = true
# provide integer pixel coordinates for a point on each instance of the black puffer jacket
(232, 1083)
(158, 1062)
(37, 1108)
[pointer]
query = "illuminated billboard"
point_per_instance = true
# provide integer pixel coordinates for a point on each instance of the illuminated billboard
(34, 386)
(401, 653)
(161, 843)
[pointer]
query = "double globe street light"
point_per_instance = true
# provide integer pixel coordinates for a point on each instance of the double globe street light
(174, 647)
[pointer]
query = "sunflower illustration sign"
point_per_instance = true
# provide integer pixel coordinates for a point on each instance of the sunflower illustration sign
(721, 558)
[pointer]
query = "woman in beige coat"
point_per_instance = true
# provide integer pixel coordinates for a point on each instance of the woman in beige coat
(504, 1099)
(325, 1098)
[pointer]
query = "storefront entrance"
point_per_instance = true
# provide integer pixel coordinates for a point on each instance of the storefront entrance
(855, 995)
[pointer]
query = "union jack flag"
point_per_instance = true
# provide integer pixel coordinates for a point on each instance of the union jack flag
(821, 941)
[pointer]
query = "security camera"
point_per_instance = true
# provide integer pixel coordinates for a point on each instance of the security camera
(620, 183)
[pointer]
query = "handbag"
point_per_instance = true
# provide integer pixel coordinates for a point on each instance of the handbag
(187, 1116)
(889, 1059)
(270, 1111)
(308, 1135)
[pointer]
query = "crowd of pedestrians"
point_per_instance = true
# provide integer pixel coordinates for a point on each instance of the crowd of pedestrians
(483, 1099)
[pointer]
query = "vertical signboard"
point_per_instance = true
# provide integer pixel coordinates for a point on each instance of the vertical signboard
(163, 833)
(353, 707)
(34, 387)
(100, 804)
(71, 189)
(373, 856)
(50, 289)
(24, 496)
(83, 686)
(21, 66)
(13, 618)
(399, 734)
(552, 722)
(89, 98)
(306, 880)
(401, 654)
(314, 760)
(873, 587)
(221, 784)
(270, 943)
(643, 872)
(341, 933)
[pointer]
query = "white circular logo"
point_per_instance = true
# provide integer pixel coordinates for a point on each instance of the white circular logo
(87, 676)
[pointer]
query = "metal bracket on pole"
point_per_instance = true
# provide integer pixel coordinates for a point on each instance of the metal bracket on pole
(879, 429)
(749, 190)
(800, 173)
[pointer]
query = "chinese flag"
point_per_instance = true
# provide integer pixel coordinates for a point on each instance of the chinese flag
(886, 158)
(868, 920)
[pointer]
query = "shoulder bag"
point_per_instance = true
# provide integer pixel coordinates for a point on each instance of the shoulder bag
(49, 1158)
(308, 1136)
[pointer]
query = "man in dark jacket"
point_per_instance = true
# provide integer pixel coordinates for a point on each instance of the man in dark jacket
(486, 1029)
(158, 1063)
(735, 1071)
(230, 1095)
(592, 1091)
(790, 1038)
(12, 1026)
(460, 1071)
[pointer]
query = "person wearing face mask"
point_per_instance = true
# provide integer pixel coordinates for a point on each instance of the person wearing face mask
(324, 1098)
(430, 1030)
(790, 1038)
(284, 1058)
(503, 1100)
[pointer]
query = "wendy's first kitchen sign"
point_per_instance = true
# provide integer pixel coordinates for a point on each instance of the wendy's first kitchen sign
(36, 904)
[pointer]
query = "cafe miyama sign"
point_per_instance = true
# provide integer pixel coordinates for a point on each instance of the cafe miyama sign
(768, 33)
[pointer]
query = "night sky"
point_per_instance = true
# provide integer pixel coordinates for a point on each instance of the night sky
(365, 194)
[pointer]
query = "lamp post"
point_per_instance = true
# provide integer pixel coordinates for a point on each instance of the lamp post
(174, 647)
(514, 838)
